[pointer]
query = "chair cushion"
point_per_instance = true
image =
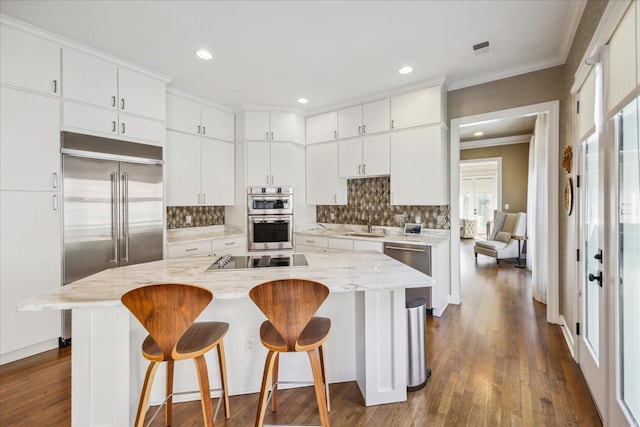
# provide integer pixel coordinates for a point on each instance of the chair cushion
(498, 224)
(510, 223)
(491, 244)
(503, 236)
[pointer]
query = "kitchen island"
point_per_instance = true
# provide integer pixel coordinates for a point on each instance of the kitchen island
(368, 340)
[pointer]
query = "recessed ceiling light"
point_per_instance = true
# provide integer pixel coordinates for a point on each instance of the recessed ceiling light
(204, 54)
(405, 70)
(303, 100)
(478, 134)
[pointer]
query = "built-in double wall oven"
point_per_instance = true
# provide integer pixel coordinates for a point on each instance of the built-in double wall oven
(270, 217)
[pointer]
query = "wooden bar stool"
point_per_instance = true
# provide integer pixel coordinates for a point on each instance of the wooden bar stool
(289, 305)
(167, 312)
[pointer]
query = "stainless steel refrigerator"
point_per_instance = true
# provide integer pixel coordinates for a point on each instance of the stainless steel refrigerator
(112, 207)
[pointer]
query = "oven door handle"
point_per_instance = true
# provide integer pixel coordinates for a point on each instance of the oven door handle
(270, 221)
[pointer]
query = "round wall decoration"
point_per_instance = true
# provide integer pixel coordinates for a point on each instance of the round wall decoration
(568, 196)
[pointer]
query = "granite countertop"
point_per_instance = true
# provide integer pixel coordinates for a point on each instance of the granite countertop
(197, 234)
(341, 272)
(428, 237)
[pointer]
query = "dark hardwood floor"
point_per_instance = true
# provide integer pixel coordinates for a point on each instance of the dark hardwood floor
(495, 361)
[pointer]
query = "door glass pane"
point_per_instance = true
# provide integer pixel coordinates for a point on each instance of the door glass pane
(466, 198)
(485, 201)
(629, 258)
(592, 245)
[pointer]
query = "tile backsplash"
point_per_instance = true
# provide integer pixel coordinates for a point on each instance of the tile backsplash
(370, 197)
(201, 216)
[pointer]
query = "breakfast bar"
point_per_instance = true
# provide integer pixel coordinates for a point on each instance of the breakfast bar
(367, 343)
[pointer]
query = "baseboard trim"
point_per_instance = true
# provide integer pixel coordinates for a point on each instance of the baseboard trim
(32, 350)
(568, 336)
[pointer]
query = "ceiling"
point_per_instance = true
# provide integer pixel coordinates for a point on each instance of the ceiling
(500, 128)
(334, 53)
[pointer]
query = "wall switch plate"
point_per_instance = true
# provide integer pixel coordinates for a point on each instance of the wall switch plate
(506, 206)
(188, 219)
(250, 345)
(332, 216)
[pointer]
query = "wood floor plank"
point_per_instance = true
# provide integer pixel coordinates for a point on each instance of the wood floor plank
(495, 362)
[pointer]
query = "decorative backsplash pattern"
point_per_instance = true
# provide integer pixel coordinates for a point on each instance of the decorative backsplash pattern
(201, 216)
(370, 197)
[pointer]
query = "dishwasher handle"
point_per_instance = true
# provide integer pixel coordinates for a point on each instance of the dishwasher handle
(398, 248)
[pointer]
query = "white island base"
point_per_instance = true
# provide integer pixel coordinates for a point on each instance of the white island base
(367, 342)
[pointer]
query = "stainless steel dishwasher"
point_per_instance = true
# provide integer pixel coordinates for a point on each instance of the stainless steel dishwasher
(416, 256)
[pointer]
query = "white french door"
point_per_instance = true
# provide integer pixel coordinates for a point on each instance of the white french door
(592, 343)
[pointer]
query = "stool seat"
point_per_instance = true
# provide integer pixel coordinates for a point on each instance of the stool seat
(313, 335)
(198, 339)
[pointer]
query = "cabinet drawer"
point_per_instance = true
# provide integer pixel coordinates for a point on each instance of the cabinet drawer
(228, 243)
(366, 245)
(318, 242)
(190, 249)
(302, 249)
(336, 245)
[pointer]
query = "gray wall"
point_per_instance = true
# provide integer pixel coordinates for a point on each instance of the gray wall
(532, 88)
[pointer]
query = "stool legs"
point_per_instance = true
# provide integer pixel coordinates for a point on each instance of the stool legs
(222, 362)
(264, 392)
(146, 390)
(316, 368)
(274, 384)
(324, 376)
(205, 393)
(168, 409)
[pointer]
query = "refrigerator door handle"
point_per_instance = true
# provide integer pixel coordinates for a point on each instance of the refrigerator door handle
(114, 216)
(125, 215)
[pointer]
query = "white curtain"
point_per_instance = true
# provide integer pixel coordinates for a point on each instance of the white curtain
(537, 259)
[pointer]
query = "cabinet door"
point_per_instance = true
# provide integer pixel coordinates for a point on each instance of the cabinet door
(141, 94)
(89, 79)
(365, 245)
(38, 236)
(350, 158)
(283, 127)
(29, 141)
(281, 164)
(182, 169)
(256, 126)
(258, 163)
(217, 172)
(190, 249)
(376, 116)
(416, 108)
(323, 185)
(350, 122)
(218, 124)
(418, 167)
(322, 128)
(139, 128)
(28, 61)
(183, 114)
(86, 118)
(376, 150)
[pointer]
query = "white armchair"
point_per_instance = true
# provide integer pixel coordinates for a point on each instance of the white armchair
(499, 243)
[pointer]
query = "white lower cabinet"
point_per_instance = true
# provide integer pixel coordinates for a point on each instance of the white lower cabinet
(200, 171)
(214, 248)
(189, 249)
(31, 231)
(311, 244)
(366, 245)
(340, 245)
(229, 246)
(324, 187)
(420, 166)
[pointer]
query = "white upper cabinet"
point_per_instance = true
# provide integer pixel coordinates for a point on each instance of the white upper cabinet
(28, 61)
(350, 122)
(217, 160)
(369, 118)
(322, 128)
(323, 185)
(420, 166)
(418, 108)
(29, 141)
(92, 80)
(269, 164)
(186, 115)
(363, 157)
(269, 126)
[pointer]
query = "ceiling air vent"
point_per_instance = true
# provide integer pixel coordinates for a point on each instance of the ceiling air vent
(481, 48)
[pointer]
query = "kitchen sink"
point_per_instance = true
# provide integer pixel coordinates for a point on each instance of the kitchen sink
(364, 234)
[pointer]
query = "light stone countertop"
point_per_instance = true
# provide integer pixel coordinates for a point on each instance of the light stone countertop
(197, 234)
(341, 272)
(429, 237)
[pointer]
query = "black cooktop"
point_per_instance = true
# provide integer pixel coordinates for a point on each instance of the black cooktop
(228, 262)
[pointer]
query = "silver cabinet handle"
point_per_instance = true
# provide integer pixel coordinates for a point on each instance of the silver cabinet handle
(271, 179)
(266, 136)
(198, 129)
(199, 199)
(55, 86)
(364, 128)
(359, 169)
(122, 103)
(267, 179)
(271, 136)
(125, 215)
(364, 169)
(113, 101)
(123, 128)
(114, 127)
(55, 180)
(392, 123)
(204, 198)
(335, 134)
(359, 130)
(204, 130)
(114, 217)
(335, 198)
(55, 202)
(229, 243)
(191, 249)
(310, 241)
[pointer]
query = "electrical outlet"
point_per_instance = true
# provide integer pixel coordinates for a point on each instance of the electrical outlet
(506, 206)
(332, 216)
(188, 219)
(250, 345)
